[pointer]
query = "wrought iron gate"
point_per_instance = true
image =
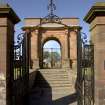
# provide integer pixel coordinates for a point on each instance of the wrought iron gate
(85, 75)
(88, 74)
(51, 58)
(20, 70)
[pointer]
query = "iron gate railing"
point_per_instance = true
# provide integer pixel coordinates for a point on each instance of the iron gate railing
(20, 71)
(51, 57)
(88, 74)
(85, 74)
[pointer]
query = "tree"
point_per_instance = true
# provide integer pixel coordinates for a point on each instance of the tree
(56, 56)
(46, 54)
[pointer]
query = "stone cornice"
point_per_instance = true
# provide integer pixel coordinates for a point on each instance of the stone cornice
(97, 10)
(60, 17)
(33, 28)
(53, 28)
(7, 11)
(3, 25)
(75, 27)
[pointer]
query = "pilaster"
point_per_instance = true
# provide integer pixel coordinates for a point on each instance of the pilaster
(34, 49)
(66, 58)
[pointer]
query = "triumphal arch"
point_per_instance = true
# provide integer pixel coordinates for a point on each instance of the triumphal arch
(64, 31)
(55, 66)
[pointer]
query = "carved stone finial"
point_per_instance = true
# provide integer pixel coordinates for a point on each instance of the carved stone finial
(51, 17)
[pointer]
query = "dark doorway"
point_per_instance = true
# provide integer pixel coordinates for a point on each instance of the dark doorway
(51, 54)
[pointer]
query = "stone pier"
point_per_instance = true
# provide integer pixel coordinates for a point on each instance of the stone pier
(96, 19)
(8, 19)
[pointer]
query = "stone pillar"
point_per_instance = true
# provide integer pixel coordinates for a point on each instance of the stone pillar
(73, 48)
(7, 20)
(96, 19)
(66, 59)
(34, 50)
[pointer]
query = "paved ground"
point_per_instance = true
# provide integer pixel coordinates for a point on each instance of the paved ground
(53, 87)
(39, 97)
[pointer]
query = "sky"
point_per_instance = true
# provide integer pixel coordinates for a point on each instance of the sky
(64, 8)
(52, 43)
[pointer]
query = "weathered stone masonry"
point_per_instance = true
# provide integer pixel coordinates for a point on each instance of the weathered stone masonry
(8, 19)
(96, 19)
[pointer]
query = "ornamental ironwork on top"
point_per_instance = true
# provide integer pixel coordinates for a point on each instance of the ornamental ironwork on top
(51, 17)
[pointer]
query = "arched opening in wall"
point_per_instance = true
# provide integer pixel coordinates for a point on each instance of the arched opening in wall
(52, 54)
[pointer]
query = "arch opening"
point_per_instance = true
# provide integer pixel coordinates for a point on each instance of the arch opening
(52, 54)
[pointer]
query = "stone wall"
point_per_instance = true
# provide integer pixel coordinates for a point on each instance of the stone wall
(2, 89)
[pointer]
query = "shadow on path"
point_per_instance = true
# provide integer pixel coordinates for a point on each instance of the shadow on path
(41, 94)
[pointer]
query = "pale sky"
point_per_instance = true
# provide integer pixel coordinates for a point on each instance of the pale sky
(52, 43)
(65, 8)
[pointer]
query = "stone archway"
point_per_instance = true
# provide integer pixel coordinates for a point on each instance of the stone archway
(52, 53)
(58, 35)
(63, 32)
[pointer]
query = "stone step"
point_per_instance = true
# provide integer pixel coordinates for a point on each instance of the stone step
(59, 78)
(57, 70)
(60, 92)
(53, 78)
(53, 75)
(55, 91)
(46, 72)
(48, 77)
(54, 85)
(58, 88)
(55, 81)
(42, 84)
(51, 72)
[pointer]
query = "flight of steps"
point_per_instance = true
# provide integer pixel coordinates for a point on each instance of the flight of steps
(53, 87)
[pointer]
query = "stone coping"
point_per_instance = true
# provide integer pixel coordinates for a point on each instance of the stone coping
(7, 11)
(60, 18)
(98, 9)
(52, 28)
